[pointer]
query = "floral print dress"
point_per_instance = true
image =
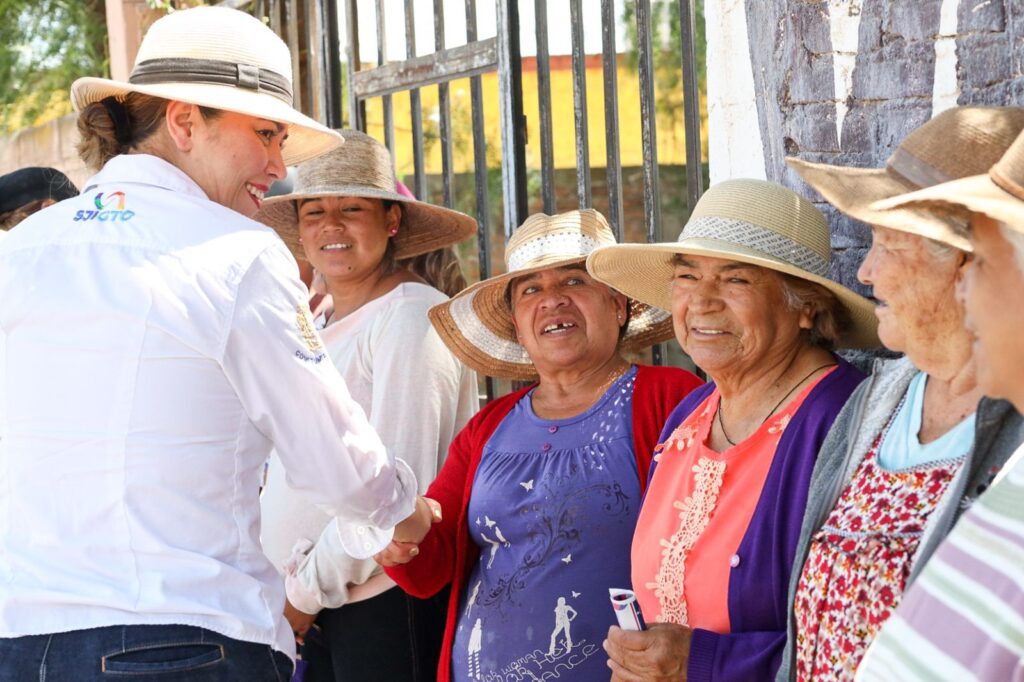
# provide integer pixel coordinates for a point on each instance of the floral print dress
(859, 562)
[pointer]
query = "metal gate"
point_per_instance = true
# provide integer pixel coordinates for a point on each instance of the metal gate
(339, 88)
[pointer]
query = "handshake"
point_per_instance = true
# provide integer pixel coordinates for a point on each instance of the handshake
(409, 533)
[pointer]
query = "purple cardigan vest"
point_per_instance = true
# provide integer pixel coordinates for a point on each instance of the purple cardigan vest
(758, 586)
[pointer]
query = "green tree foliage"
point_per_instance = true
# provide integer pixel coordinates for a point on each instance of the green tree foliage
(44, 46)
(666, 48)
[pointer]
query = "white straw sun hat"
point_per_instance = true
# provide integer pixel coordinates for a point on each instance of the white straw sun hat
(362, 168)
(223, 59)
(476, 325)
(749, 221)
(999, 193)
(957, 143)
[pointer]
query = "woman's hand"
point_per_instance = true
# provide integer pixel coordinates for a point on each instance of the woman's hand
(300, 621)
(410, 533)
(658, 654)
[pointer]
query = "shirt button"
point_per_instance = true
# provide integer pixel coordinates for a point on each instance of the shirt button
(546, 447)
(552, 429)
(734, 561)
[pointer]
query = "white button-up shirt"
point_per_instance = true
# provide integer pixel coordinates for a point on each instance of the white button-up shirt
(154, 346)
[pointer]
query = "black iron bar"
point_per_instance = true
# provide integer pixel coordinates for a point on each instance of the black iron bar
(444, 107)
(547, 154)
(480, 168)
(648, 132)
(331, 50)
(415, 108)
(510, 115)
(389, 114)
(356, 108)
(579, 100)
(691, 103)
(613, 168)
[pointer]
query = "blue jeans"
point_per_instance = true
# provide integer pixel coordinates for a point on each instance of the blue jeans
(160, 653)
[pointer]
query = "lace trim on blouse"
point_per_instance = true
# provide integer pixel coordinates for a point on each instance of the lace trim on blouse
(694, 513)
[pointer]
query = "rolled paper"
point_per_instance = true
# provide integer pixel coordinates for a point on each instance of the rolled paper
(627, 610)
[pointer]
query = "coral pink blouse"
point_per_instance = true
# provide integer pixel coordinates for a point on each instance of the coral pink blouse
(697, 509)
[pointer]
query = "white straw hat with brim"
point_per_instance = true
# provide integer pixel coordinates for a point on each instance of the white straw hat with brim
(957, 143)
(476, 324)
(362, 168)
(219, 58)
(749, 221)
(998, 194)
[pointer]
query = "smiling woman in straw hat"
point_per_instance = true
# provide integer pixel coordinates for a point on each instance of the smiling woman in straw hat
(542, 487)
(156, 344)
(747, 283)
(345, 217)
(961, 619)
(915, 439)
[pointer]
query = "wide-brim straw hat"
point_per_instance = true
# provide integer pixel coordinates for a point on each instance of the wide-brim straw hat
(957, 143)
(749, 221)
(220, 58)
(476, 324)
(363, 168)
(999, 193)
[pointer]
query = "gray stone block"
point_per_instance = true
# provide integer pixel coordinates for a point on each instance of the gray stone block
(917, 20)
(811, 128)
(983, 58)
(811, 78)
(811, 27)
(975, 16)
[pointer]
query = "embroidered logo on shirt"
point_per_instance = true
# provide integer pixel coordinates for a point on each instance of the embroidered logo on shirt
(104, 211)
(304, 322)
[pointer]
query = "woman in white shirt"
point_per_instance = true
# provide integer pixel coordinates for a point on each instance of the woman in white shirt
(155, 344)
(345, 217)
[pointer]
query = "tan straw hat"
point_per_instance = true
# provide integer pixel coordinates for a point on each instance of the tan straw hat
(362, 168)
(957, 143)
(750, 221)
(998, 194)
(220, 58)
(476, 324)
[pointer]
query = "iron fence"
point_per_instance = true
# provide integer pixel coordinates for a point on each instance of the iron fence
(335, 87)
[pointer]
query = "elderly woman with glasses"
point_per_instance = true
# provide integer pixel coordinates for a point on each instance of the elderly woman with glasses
(917, 442)
(752, 304)
(542, 488)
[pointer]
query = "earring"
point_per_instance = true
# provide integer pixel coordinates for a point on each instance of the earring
(393, 231)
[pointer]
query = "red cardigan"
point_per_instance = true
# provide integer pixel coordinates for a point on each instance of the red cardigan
(447, 554)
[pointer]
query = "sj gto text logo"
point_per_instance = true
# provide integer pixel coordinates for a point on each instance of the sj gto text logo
(108, 209)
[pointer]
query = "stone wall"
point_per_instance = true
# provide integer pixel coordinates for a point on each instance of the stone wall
(844, 81)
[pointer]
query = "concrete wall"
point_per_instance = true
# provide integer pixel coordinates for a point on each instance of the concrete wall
(50, 144)
(843, 81)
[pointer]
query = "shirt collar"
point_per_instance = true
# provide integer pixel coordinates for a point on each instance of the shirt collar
(145, 169)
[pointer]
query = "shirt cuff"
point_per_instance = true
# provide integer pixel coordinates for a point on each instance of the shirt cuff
(702, 655)
(301, 597)
(362, 541)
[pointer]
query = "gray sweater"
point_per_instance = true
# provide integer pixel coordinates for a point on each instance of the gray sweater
(999, 430)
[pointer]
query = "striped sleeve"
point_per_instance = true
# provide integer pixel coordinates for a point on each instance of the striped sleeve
(963, 619)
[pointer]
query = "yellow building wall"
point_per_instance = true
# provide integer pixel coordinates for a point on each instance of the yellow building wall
(670, 131)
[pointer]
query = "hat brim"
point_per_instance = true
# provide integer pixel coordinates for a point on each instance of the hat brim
(644, 272)
(854, 190)
(424, 227)
(476, 325)
(977, 194)
(307, 139)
